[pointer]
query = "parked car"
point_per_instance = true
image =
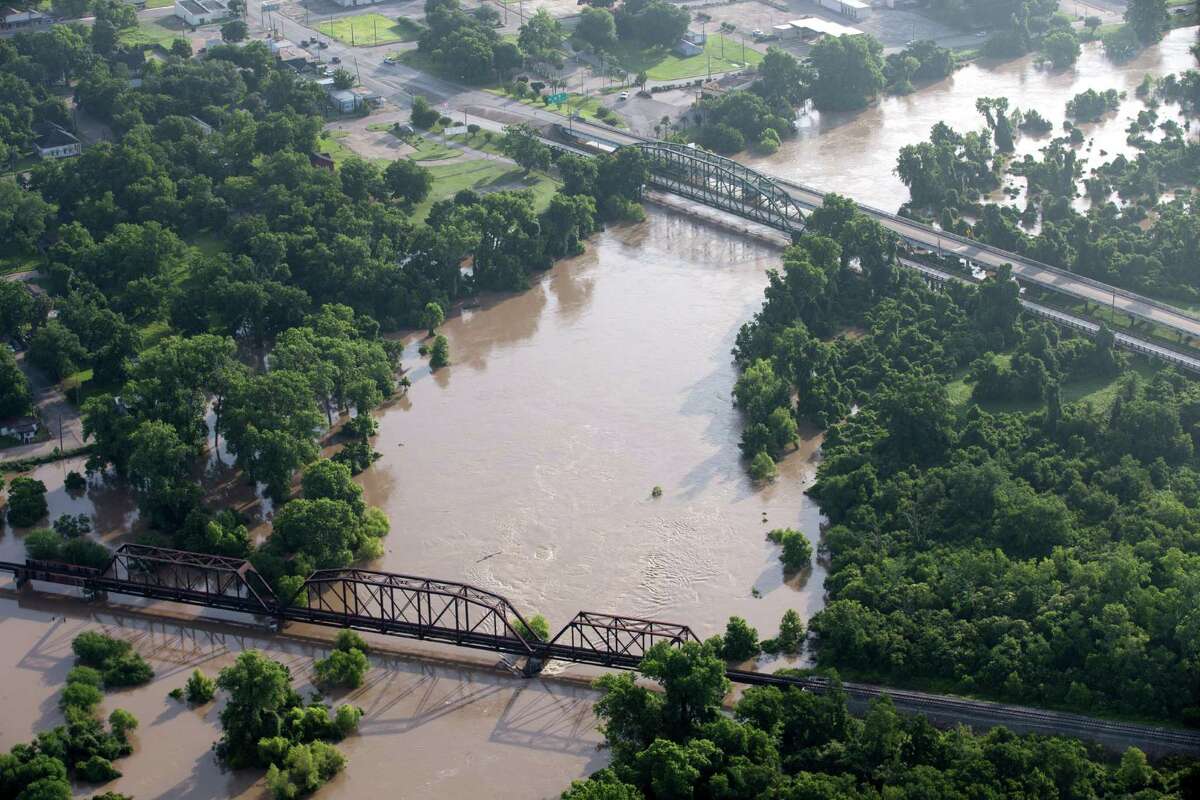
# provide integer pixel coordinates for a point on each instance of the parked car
(624, 95)
(335, 60)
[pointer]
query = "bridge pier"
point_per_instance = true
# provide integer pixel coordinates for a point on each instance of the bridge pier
(532, 666)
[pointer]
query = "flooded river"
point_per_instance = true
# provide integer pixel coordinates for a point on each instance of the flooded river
(527, 467)
(855, 153)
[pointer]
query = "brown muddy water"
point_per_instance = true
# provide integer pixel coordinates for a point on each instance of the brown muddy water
(527, 467)
(430, 729)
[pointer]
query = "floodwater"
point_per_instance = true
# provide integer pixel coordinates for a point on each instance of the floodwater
(854, 153)
(526, 467)
(430, 729)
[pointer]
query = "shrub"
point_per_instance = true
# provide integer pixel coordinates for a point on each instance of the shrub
(656, 491)
(91, 677)
(342, 668)
(791, 633)
(439, 354)
(75, 482)
(796, 553)
(92, 649)
(423, 116)
(127, 669)
(122, 722)
(345, 720)
(762, 467)
(349, 640)
(200, 688)
(96, 769)
(304, 769)
(26, 502)
(72, 526)
(740, 641)
(44, 545)
(83, 696)
(538, 627)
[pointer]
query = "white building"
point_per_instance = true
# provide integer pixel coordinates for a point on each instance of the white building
(54, 141)
(201, 12)
(851, 9)
(353, 3)
(23, 429)
(811, 28)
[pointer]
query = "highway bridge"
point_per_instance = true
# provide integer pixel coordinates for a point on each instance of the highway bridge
(461, 615)
(730, 186)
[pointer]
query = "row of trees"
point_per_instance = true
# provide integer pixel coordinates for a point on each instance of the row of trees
(83, 749)
(677, 744)
(1041, 556)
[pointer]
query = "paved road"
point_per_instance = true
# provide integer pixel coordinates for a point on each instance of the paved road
(398, 83)
(1124, 340)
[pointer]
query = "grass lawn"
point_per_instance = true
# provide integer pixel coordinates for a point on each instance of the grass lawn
(721, 54)
(160, 32)
(370, 29)
(1099, 391)
(14, 262)
(331, 142)
(483, 177)
(427, 150)
(585, 107)
(159, 3)
(479, 141)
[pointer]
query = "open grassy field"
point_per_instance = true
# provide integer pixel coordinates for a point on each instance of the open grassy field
(483, 177)
(1100, 391)
(370, 29)
(721, 54)
(151, 32)
(585, 107)
(331, 142)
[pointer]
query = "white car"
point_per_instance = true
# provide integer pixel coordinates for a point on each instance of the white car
(624, 95)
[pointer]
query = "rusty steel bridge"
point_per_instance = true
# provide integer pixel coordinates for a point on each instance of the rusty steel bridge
(462, 615)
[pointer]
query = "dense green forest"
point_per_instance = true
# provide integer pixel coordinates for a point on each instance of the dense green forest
(201, 245)
(678, 744)
(1046, 555)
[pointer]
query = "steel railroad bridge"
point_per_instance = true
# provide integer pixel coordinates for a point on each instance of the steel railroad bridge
(727, 185)
(462, 615)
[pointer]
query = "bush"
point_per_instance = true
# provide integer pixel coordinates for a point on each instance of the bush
(83, 696)
(439, 354)
(199, 689)
(791, 633)
(121, 722)
(797, 552)
(85, 553)
(538, 627)
(342, 668)
(1121, 44)
(127, 669)
(423, 116)
(740, 641)
(345, 720)
(762, 467)
(75, 482)
(43, 545)
(72, 526)
(92, 649)
(26, 502)
(96, 769)
(87, 675)
(348, 640)
(304, 769)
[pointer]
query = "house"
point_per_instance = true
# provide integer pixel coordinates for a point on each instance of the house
(23, 429)
(12, 19)
(201, 12)
(294, 57)
(54, 141)
(344, 101)
(321, 160)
